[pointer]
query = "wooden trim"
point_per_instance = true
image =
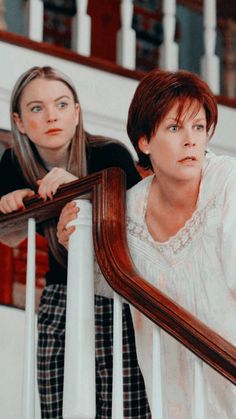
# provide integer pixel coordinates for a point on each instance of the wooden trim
(226, 101)
(107, 189)
(196, 5)
(5, 137)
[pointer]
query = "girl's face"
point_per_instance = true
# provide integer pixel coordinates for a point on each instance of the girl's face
(177, 148)
(48, 115)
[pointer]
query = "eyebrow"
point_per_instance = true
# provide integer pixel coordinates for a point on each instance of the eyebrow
(171, 118)
(41, 101)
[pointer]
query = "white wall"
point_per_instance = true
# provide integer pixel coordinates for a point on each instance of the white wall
(104, 97)
(11, 363)
(224, 140)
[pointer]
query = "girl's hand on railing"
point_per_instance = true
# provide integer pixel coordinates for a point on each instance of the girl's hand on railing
(13, 201)
(51, 182)
(68, 214)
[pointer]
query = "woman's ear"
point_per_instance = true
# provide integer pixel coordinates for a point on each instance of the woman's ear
(77, 110)
(143, 145)
(18, 122)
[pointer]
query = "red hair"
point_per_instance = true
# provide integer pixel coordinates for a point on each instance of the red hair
(156, 94)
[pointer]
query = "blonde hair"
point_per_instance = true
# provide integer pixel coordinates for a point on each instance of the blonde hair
(26, 152)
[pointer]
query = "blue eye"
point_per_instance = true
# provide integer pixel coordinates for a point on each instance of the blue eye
(62, 105)
(200, 127)
(173, 128)
(36, 109)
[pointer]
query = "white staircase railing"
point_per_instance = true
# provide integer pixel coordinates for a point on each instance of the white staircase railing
(210, 63)
(81, 29)
(34, 19)
(79, 401)
(200, 390)
(79, 374)
(169, 51)
(156, 402)
(117, 382)
(126, 36)
(28, 394)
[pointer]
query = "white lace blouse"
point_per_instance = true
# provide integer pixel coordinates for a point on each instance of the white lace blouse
(197, 269)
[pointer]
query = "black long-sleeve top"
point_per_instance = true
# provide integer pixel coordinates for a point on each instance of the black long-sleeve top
(99, 158)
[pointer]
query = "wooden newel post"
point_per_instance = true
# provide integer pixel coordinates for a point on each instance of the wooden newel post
(79, 374)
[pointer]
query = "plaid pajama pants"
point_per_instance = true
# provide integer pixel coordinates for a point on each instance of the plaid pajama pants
(50, 358)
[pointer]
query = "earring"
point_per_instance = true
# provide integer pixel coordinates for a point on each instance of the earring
(147, 153)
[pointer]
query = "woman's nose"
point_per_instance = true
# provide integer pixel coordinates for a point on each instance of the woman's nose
(51, 115)
(188, 140)
(189, 143)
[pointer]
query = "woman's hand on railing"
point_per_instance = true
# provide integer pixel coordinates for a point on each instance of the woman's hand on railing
(68, 214)
(52, 180)
(13, 201)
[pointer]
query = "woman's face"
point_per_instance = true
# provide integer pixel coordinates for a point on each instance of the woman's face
(48, 115)
(177, 148)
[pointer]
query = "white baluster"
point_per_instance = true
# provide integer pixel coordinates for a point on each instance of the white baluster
(157, 407)
(81, 29)
(210, 64)
(126, 37)
(169, 51)
(199, 387)
(28, 396)
(79, 374)
(117, 381)
(35, 20)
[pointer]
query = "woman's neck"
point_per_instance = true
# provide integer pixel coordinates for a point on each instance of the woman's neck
(178, 195)
(169, 207)
(54, 158)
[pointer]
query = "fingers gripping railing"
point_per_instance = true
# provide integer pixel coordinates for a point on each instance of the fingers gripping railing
(107, 190)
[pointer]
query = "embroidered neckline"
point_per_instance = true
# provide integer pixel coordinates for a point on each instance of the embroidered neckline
(181, 239)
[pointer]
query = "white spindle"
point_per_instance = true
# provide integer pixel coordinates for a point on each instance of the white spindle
(81, 29)
(169, 49)
(126, 37)
(28, 396)
(199, 387)
(117, 382)
(79, 374)
(157, 407)
(210, 64)
(35, 20)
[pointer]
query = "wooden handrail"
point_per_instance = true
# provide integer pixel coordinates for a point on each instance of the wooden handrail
(107, 189)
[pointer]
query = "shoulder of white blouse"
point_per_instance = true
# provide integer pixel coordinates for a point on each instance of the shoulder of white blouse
(136, 197)
(139, 189)
(219, 168)
(219, 174)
